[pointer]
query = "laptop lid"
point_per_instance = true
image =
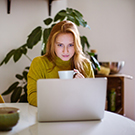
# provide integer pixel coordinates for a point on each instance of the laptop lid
(71, 99)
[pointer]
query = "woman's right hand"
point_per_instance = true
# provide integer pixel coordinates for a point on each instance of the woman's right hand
(78, 74)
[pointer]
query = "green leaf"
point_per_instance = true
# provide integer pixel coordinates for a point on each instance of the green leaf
(43, 49)
(79, 16)
(23, 50)
(62, 13)
(86, 41)
(82, 42)
(69, 10)
(78, 19)
(62, 18)
(8, 56)
(10, 89)
(90, 53)
(57, 17)
(86, 25)
(48, 21)
(78, 13)
(46, 34)
(23, 98)
(20, 77)
(52, 26)
(70, 18)
(16, 94)
(27, 68)
(25, 75)
(34, 37)
(24, 46)
(25, 89)
(81, 21)
(17, 55)
(2, 62)
(75, 20)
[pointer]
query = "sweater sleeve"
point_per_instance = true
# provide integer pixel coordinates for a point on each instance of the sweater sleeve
(35, 73)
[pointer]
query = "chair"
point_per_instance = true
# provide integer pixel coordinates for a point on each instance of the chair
(1, 99)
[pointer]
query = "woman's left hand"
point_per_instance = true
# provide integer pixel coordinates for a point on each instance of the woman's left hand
(78, 74)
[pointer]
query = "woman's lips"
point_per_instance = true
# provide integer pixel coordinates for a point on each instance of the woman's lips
(65, 55)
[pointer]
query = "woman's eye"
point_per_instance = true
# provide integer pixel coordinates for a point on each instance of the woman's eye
(71, 44)
(59, 44)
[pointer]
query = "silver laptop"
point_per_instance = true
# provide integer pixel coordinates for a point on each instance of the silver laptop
(71, 99)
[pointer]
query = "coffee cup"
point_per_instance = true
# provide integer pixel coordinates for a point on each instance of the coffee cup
(66, 74)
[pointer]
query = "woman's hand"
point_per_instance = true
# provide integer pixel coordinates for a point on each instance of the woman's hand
(78, 74)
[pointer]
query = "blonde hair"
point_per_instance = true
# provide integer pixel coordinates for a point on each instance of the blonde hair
(78, 61)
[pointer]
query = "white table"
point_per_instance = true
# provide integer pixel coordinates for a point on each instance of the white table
(112, 124)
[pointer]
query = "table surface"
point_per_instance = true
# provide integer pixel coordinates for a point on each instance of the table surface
(111, 124)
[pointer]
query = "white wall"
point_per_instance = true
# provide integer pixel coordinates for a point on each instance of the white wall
(15, 27)
(112, 33)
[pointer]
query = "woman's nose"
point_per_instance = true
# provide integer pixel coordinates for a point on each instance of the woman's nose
(65, 49)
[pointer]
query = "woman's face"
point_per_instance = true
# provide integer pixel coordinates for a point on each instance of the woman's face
(64, 46)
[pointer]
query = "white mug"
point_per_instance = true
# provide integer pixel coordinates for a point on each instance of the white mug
(67, 74)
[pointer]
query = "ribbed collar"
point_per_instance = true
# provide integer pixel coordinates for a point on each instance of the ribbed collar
(61, 63)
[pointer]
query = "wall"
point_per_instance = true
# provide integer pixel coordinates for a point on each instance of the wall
(15, 27)
(113, 35)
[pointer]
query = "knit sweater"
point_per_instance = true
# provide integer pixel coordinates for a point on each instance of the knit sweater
(40, 68)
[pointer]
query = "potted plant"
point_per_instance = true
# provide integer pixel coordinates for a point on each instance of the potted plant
(19, 88)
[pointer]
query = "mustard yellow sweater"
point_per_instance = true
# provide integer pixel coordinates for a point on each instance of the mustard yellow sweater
(40, 68)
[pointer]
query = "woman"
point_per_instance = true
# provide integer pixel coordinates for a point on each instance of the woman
(63, 52)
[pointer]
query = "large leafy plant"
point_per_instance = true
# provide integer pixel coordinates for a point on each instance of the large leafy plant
(18, 89)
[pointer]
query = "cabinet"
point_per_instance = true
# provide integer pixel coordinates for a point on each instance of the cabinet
(116, 81)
